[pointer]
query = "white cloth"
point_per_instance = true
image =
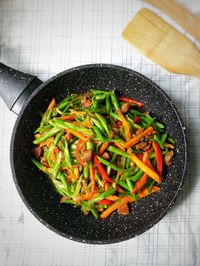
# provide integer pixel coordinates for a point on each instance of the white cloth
(44, 38)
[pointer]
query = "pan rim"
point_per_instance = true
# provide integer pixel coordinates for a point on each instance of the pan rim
(186, 155)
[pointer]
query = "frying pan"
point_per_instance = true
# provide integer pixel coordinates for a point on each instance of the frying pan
(22, 95)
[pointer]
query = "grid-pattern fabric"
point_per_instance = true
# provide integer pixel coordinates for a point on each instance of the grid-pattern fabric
(46, 37)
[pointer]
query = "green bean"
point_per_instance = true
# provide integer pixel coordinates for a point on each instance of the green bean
(99, 92)
(163, 139)
(66, 153)
(65, 183)
(58, 137)
(117, 151)
(151, 186)
(61, 105)
(47, 135)
(115, 116)
(57, 164)
(133, 124)
(108, 105)
(100, 97)
(78, 187)
(127, 173)
(49, 153)
(124, 185)
(89, 145)
(46, 116)
(94, 103)
(89, 207)
(114, 100)
(40, 166)
(160, 125)
(42, 129)
(86, 171)
(137, 176)
(128, 160)
(130, 185)
(98, 124)
(98, 133)
(171, 140)
(103, 195)
(112, 166)
(64, 125)
(103, 123)
(99, 180)
(160, 141)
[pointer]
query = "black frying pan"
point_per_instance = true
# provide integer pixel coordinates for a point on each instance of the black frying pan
(35, 188)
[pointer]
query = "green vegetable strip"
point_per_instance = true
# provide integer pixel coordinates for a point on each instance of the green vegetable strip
(98, 133)
(114, 100)
(151, 186)
(137, 176)
(112, 166)
(65, 183)
(64, 125)
(86, 171)
(117, 151)
(103, 123)
(108, 104)
(130, 185)
(103, 195)
(66, 153)
(47, 135)
(57, 164)
(58, 137)
(124, 185)
(40, 166)
(98, 124)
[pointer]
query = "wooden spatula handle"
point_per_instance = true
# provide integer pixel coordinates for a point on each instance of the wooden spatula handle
(185, 18)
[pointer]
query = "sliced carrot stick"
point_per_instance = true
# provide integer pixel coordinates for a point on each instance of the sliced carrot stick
(125, 125)
(119, 145)
(119, 189)
(77, 134)
(51, 105)
(104, 146)
(67, 117)
(145, 168)
(138, 137)
(46, 142)
(107, 186)
(146, 192)
(140, 183)
(113, 197)
(115, 206)
(147, 161)
(88, 196)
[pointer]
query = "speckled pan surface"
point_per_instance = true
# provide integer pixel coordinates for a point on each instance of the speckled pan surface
(35, 188)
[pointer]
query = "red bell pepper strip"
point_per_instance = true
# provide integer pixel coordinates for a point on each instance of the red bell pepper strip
(106, 202)
(102, 171)
(128, 100)
(78, 148)
(159, 160)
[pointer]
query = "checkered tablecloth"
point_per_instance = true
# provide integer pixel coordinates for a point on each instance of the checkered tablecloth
(44, 37)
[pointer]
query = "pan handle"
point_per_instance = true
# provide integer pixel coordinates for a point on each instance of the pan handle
(16, 87)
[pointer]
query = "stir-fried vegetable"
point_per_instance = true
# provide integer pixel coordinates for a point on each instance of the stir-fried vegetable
(101, 152)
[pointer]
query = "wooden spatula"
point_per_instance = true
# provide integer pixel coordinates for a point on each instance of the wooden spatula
(162, 43)
(184, 17)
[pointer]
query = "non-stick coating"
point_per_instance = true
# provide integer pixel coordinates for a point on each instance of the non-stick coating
(35, 188)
